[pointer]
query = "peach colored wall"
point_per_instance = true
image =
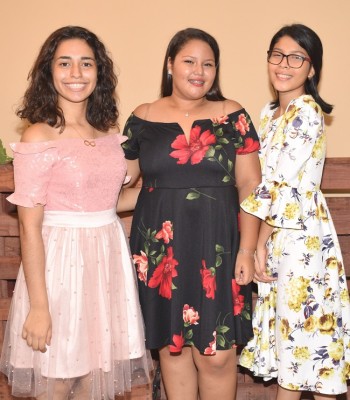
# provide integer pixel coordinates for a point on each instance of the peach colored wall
(137, 31)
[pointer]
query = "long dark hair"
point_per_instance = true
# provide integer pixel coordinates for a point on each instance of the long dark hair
(40, 102)
(311, 43)
(176, 44)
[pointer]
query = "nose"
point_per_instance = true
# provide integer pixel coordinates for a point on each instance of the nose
(76, 70)
(284, 62)
(198, 69)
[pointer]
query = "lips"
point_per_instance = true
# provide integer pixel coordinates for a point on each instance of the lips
(283, 77)
(196, 82)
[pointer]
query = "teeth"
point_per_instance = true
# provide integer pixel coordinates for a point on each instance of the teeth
(283, 76)
(76, 85)
(197, 82)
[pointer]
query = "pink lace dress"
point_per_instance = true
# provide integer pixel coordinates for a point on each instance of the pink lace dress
(97, 346)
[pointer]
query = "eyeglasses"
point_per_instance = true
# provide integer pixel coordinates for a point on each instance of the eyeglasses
(293, 60)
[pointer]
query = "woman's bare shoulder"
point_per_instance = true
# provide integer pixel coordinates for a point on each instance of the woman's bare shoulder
(143, 110)
(39, 132)
(232, 106)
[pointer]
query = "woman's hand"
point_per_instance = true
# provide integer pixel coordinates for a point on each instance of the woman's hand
(37, 329)
(244, 269)
(260, 260)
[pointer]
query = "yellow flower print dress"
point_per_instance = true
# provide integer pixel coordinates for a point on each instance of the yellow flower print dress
(301, 322)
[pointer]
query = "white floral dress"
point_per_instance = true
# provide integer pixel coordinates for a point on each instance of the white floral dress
(302, 321)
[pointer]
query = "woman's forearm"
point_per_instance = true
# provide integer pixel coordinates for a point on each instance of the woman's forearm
(33, 255)
(127, 199)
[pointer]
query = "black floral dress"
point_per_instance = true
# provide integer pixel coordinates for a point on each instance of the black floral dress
(185, 231)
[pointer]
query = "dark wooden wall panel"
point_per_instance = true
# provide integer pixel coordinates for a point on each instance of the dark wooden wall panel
(336, 182)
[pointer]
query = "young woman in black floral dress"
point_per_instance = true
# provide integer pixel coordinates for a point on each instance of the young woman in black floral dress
(197, 153)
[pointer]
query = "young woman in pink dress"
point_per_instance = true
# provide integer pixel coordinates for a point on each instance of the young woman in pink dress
(75, 329)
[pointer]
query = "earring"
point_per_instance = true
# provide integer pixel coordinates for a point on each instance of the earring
(169, 72)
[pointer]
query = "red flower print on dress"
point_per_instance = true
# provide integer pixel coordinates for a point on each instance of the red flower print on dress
(164, 273)
(242, 125)
(179, 342)
(208, 280)
(166, 233)
(142, 265)
(211, 350)
(190, 315)
(250, 145)
(238, 299)
(220, 120)
(196, 148)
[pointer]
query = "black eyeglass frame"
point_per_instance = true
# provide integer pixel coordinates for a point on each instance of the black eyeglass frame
(269, 52)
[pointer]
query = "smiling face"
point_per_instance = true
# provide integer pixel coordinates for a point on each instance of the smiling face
(193, 70)
(289, 82)
(74, 71)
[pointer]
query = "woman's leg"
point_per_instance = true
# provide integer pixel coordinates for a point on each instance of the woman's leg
(82, 388)
(59, 389)
(217, 375)
(318, 396)
(179, 374)
(284, 394)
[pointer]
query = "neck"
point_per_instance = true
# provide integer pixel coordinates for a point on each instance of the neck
(74, 113)
(83, 130)
(185, 105)
(285, 99)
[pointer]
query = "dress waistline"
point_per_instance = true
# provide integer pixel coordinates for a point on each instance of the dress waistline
(72, 219)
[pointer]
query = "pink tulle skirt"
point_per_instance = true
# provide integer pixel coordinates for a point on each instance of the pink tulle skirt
(97, 349)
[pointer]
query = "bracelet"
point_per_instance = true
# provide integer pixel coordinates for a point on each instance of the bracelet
(245, 251)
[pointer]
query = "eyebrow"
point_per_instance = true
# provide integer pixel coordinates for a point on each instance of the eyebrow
(69, 58)
(208, 59)
(292, 52)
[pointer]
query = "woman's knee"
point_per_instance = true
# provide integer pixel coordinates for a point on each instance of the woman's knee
(223, 360)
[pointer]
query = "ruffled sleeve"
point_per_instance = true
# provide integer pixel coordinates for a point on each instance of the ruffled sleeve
(33, 164)
(285, 197)
(247, 140)
(278, 204)
(131, 132)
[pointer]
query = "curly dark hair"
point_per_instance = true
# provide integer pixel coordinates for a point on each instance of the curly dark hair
(40, 102)
(180, 39)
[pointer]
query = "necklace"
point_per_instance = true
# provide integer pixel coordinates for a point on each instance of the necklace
(87, 142)
(187, 114)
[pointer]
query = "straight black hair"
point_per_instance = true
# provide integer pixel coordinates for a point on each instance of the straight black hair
(311, 43)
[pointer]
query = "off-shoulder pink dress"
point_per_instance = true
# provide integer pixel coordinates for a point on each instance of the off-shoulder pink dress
(98, 332)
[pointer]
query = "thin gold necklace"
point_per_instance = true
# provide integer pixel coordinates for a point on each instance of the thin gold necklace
(87, 142)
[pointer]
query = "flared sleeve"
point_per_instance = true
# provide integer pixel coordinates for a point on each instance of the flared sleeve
(33, 164)
(286, 195)
(277, 204)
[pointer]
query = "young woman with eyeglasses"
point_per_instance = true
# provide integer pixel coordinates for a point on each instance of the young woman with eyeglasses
(302, 317)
